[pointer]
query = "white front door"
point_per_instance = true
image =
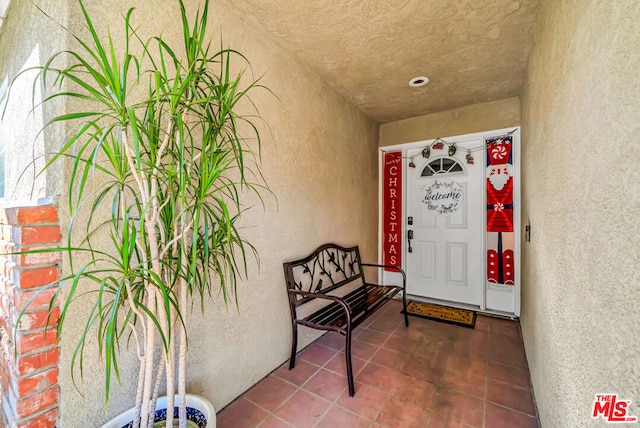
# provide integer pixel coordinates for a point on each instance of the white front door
(444, 215)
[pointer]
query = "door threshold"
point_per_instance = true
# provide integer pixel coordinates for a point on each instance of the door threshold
(489, 312)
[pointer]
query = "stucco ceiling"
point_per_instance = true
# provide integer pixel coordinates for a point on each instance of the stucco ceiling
(367, 50)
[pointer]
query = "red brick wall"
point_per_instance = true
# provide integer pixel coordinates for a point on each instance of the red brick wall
(29, 367)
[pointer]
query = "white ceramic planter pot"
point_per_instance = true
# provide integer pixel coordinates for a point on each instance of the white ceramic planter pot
(196, 405)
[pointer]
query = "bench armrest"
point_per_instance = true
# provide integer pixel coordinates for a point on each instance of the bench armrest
(404, 286)
(326, 297)
(398, 268)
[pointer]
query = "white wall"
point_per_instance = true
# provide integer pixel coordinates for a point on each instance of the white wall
(581, 187)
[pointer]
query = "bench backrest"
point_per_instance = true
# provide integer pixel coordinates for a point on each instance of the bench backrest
(326, 269)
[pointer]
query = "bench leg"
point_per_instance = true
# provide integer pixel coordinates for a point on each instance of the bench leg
(404, 306)
(294, 345)
(347, 354)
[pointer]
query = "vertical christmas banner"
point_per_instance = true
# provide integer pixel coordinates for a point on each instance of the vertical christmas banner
(392, 209)
(500, 237)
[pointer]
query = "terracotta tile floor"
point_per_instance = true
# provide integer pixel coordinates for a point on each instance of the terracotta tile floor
(428, 375)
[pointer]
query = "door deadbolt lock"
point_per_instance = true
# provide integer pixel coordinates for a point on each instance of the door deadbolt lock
(410, 221)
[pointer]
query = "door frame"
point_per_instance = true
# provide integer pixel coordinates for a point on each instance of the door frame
(391, 277)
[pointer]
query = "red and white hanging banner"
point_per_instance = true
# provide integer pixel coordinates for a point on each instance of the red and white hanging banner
(500, 235)
(392, 209)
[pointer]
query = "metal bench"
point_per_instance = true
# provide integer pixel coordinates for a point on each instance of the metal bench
(328, 291)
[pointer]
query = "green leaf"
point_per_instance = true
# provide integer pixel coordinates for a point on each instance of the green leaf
(193, 161)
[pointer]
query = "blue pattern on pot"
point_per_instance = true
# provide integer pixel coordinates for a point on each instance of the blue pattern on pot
(193, 415)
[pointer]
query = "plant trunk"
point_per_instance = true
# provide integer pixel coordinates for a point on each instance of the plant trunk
(182, 308)
(156, 387)
(149, 361)
(182, 366)
(169, 358)
(139, 392)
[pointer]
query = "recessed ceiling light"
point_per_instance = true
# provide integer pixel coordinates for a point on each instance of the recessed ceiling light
(419, 81)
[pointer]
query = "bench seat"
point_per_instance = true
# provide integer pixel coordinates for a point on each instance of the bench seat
(362, 302)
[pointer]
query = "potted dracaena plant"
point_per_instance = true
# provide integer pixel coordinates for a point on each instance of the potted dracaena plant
(158, 142)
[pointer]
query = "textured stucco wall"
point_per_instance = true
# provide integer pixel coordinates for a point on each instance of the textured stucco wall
(581, 187)
(320, 160)
(465, 120)
(27, 38)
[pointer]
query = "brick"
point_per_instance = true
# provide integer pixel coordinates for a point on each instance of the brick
(33, 342)
(34, 259)
(46, 420)
(34, 235)
(20, 298)
(29, 383)
(38, 319)
(37, 382)
(30, 278)
(29, 215)
(34, 404)
(35, 362)
(36, 215)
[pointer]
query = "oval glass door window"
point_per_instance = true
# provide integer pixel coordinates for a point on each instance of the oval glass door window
(442, 166)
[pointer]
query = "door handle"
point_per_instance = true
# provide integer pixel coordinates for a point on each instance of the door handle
(409, 238)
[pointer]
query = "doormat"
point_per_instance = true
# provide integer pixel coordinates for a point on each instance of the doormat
(461, 317)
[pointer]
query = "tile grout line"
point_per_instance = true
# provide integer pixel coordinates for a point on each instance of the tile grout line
(398, 373)
(335, 401)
